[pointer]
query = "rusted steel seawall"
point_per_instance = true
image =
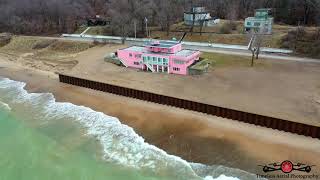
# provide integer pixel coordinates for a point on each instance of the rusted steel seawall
(259, 120)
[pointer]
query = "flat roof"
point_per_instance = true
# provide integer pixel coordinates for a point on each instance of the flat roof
(258, 19)
(182, 53)
(190, 12)
(185, 52)
(135, 48)
(163, 44)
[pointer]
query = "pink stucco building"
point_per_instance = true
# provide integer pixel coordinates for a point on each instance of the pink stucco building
(159, 56)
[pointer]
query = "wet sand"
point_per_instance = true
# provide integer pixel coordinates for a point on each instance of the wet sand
(195, 137)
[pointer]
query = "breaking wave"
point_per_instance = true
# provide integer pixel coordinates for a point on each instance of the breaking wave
(121, 145)
(5, 106)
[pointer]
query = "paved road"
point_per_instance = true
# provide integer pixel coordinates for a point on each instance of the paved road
(239, 52)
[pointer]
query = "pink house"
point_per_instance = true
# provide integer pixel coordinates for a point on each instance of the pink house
(159, 56)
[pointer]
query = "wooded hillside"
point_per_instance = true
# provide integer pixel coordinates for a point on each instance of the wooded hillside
(57, 16)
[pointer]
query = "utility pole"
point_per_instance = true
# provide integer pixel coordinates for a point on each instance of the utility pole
(146, 21)
(135, 29)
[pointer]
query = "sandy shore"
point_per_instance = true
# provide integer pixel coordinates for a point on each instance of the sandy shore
(285, 90)
(193, 136)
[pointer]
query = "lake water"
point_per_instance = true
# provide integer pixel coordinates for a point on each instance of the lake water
(44, 139)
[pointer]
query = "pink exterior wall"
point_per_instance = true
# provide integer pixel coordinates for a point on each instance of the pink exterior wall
(157, 55)
(177, 48)
(183, 68)
(173, 49)
(130, 60)
(174, 68)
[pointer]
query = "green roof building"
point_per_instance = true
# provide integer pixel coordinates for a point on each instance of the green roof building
(261, 22)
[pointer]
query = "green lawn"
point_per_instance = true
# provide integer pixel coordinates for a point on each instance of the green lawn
(223, 60)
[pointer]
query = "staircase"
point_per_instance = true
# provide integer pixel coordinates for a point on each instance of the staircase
(122, 62)
(150, 67)
(85, 31)
(251, 42)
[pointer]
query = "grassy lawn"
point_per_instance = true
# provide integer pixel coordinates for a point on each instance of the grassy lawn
(44, 48)
(223, 60)
(20, 44)
(213, 34)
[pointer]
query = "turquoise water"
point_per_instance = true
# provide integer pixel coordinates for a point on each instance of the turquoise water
(39, 153)
(43, 139)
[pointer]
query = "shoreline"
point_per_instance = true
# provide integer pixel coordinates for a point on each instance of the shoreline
(192, 136)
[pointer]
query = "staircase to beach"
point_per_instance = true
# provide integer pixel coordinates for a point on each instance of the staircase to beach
(122, 62)
(150, 67)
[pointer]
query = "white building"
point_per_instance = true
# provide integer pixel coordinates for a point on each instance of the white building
(262, 21)
(200, 15)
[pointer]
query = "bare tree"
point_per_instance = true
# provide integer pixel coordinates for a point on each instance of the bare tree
(258, 43)
(37, 16)
(252, 48)
(202, 23)
(122, 23)
(233, 10)
(256, 39)
(56, 16)
(317, 20)
(168, 12)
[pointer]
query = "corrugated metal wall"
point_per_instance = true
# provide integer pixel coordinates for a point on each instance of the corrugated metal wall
(259, 120)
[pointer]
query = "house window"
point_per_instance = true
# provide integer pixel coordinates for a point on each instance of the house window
(136, 63)
(130, 55)
(144, 59)
(138, 55)
(159, 60)
(176, 69)
(256, 24)
(165, 61)
(178, 62)
(249, 23)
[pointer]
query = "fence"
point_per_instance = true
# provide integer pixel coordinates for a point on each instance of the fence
(259, 120)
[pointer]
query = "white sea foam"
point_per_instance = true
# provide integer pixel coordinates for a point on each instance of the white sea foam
(5, 106)
(121, 145)
(221, 177)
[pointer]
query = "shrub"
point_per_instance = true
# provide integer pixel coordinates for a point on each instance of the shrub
(5, 39)
(315, 49)
(302, 42)
(233, 25)
(228, 27)
(43, 44)
(70, 46)
(99, 43)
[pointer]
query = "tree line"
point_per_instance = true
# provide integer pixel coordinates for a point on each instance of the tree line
(58, 16)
